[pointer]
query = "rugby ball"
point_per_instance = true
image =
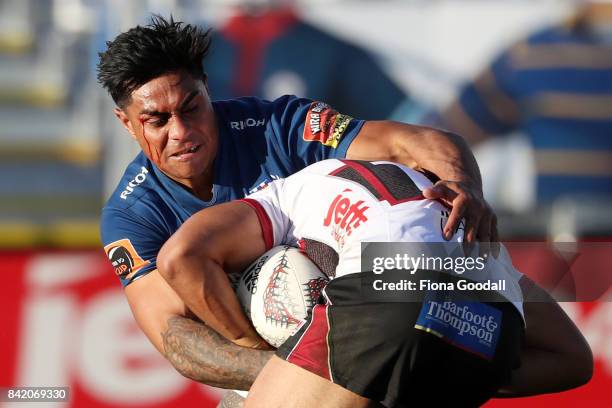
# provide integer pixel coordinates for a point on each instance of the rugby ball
(278, 290)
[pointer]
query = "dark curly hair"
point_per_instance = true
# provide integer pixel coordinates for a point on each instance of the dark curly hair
(143, 53)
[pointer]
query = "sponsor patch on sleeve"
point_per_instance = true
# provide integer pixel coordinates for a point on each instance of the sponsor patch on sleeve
(124, 258)
(470, 326)
(325, 125)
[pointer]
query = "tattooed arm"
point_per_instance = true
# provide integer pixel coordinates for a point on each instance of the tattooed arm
(195, 350)
(201, 354)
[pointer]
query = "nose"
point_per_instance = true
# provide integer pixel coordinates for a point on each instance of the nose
(179, 128)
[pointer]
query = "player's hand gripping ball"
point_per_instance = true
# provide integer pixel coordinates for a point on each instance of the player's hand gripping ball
(278, 291)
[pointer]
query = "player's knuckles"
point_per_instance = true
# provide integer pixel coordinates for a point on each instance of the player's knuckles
(461, 204)
(450, 188)
(475, 198)
(443, 191)
(468, 189)
(455, 217)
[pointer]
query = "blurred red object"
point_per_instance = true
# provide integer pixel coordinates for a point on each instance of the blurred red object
(66, 323)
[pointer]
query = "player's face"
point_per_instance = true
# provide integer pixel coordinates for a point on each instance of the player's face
(172, 119)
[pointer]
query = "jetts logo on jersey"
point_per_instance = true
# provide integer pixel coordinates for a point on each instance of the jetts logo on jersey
(139, 179)
(345, 215)
(325, 125)
(124, 258)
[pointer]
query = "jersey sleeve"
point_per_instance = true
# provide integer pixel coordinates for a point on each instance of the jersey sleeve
(309, 131)
(275, 224)
(130, 243)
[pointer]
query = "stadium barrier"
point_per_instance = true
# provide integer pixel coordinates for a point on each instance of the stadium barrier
(66, 322)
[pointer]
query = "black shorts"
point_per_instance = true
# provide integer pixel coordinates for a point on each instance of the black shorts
(386, 351)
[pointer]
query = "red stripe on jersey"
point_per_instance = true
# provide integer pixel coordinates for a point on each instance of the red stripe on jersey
(266, 225)
(311, 351)
(338, 170)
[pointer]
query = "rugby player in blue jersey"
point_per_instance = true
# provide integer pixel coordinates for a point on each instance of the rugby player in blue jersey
(197, 153)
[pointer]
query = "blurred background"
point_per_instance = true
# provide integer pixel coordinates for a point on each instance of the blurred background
(527, 82)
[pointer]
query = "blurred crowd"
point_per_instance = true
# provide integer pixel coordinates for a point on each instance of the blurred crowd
(537, 109)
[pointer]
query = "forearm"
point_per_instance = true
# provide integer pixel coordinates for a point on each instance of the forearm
(193, 263)
(199, 353)
(457, 162)
(206, 290)
(443, 153)
(555, 356)
(218, 305)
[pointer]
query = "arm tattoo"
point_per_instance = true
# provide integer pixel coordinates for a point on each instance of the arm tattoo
(200, 353)
(231, 400)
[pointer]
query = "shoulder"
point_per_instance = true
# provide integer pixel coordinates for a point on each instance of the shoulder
(256, 115)
(250, 112)
(236, 107)
(136, 198)
(239, 105)
(132, 238)
(134, 183)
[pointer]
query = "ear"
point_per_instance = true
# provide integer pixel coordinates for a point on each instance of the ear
(125, 121)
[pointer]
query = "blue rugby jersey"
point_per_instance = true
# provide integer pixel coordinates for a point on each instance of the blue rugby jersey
(258, 142)
(556, 87)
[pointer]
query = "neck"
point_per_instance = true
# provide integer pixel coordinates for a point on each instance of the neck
(202, 187)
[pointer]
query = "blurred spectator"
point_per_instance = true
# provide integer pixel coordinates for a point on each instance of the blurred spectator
(556, 88)
(268, 51)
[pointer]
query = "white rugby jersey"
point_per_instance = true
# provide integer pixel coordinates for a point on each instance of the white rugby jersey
(342, 203)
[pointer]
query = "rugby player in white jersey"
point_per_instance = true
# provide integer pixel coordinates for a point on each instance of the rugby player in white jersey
(355, 351)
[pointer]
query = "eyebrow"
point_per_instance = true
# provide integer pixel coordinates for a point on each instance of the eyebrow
(185, 102)
(189, 98)
(152, 112)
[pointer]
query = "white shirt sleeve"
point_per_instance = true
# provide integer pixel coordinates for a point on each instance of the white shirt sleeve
(274, 220)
